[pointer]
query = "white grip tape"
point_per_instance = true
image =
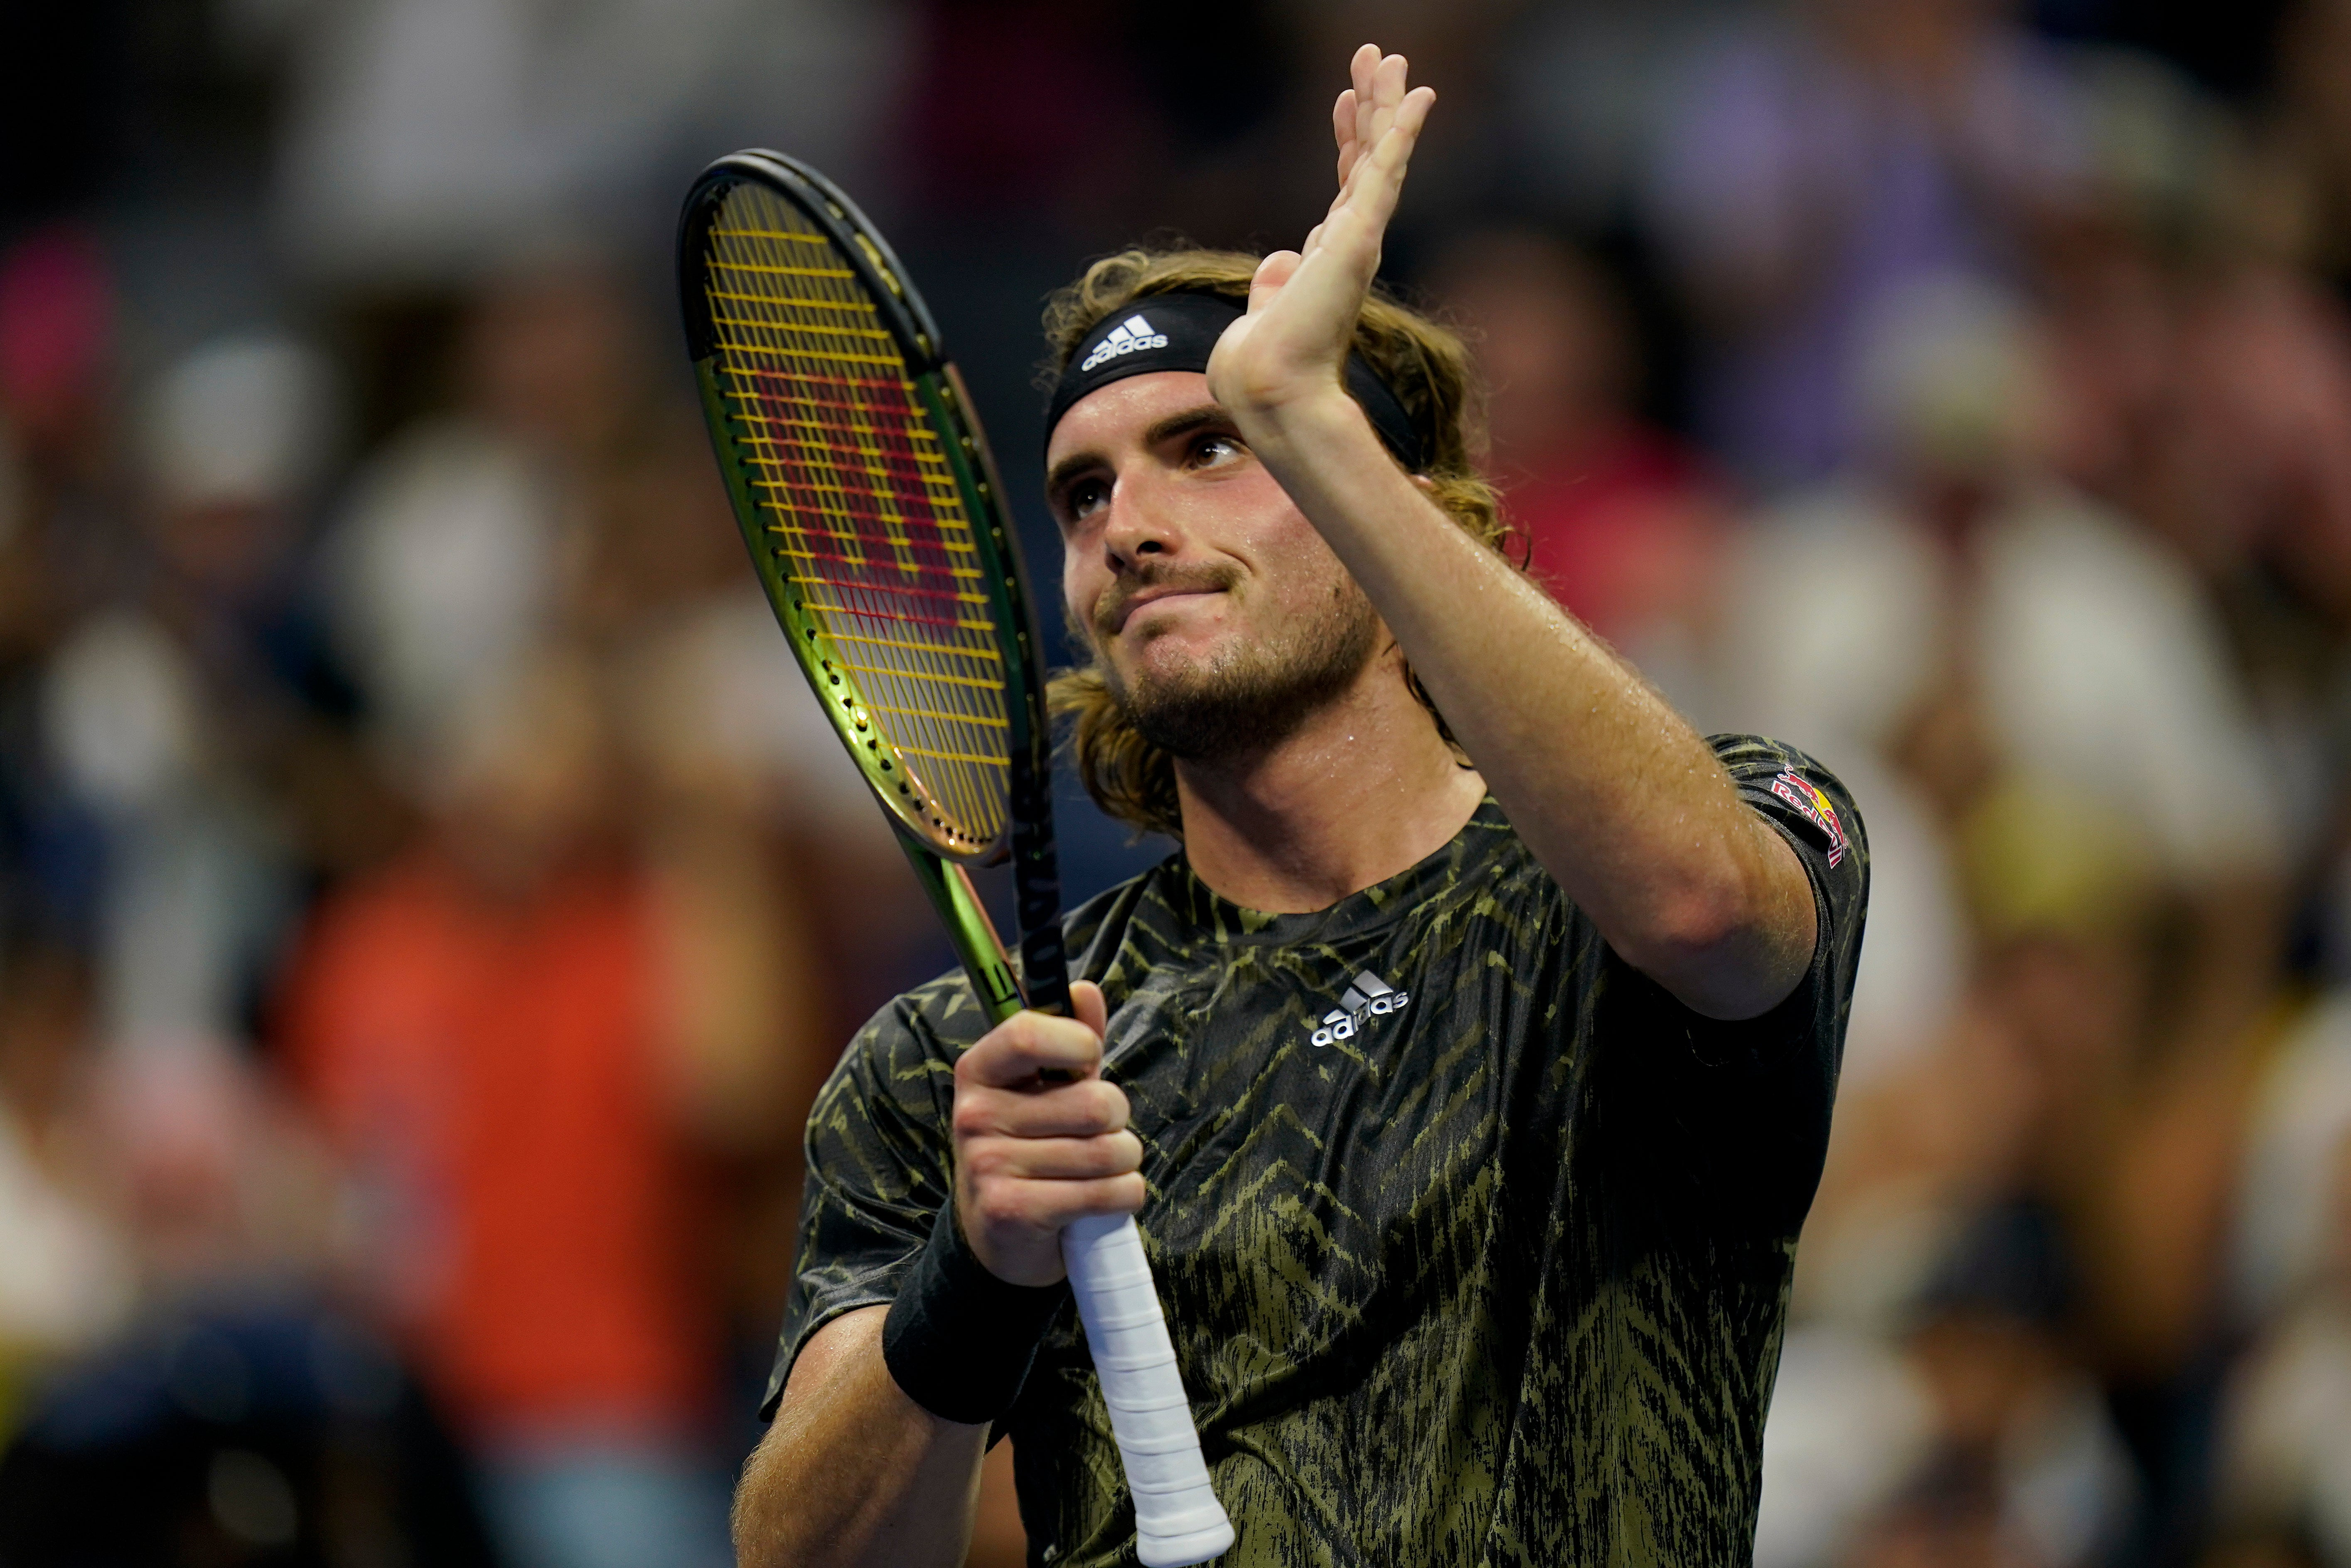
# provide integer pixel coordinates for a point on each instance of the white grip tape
(1177, 1519)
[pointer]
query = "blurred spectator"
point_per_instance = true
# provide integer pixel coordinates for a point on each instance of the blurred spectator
(62, 550)
(258, 1431)
(1982, 1386)
(448, 562)
(57, 344)
(2208, 390)
(1951, 612)
(1622, 522)
(2040, 699)
(2312, 131)
(429, 139)
(487, 1029)
(2286, 1476)
(184, 718)
(1817, 165)
(67, 1272)
(166, 1336)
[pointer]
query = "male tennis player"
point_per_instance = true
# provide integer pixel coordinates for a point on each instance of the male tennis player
(1471, 1113)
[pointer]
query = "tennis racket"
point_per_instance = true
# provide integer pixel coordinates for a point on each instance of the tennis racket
(873, 512)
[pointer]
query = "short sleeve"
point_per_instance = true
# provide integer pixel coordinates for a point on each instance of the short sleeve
(879, 1163)
(1812, 812)
(1730, 1120)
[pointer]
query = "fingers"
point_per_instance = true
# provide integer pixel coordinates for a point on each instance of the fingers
(1388, 156)
(1086, 1004)
(1089, 1108)
(1015, 1227)
(1027, 1044)
(1372, 191)
(1053, 1159)
(1379, 101)
(1278, 269)
(1034, 1152)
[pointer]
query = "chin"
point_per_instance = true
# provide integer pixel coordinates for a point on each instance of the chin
(1172, 651)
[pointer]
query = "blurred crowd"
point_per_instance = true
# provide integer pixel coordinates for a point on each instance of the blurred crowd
(428, 903)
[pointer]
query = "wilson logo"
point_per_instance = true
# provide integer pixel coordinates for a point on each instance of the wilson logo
(1369, 997)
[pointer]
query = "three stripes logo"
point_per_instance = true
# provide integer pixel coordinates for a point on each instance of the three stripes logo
(1368, 997)
(1129, 336)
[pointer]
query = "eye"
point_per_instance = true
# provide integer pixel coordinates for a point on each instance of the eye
(1215, 449)
(1084, 497)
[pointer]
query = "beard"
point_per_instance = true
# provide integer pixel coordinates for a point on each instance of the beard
(1255, 693)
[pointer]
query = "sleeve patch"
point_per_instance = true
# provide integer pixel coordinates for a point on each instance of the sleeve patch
(1815, 808)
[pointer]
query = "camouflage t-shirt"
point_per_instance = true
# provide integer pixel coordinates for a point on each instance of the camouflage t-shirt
(1474, 1242)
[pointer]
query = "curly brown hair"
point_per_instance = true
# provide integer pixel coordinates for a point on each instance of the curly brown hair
(1425, 365)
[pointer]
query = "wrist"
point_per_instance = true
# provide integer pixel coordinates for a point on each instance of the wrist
(1304, 422)
(958, 1341)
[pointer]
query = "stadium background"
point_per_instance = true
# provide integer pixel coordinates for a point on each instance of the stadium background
(426, 908)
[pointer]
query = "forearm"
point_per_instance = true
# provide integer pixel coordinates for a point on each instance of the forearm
(853, 1474)
(1613, 792)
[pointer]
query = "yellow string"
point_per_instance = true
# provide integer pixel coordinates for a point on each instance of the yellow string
(855, 487)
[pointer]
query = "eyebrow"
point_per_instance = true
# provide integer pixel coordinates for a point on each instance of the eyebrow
(1167, 429)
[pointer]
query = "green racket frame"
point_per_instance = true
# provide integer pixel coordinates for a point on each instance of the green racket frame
(937, 853)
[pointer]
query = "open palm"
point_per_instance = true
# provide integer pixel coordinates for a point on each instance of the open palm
(1292, 345)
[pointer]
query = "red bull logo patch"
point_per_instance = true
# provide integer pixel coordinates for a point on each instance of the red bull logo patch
(1805, 797)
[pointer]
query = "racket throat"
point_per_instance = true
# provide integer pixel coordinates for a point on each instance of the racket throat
(948, 888)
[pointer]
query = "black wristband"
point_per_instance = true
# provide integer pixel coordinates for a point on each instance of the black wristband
(958, 1340)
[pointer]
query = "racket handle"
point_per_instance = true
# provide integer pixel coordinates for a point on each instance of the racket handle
(1177, 1519)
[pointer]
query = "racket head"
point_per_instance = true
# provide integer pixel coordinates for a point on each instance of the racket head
(868, 498)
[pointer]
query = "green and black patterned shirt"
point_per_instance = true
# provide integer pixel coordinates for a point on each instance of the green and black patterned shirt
(1473, 1241)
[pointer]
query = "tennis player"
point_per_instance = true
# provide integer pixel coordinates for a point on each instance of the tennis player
(1470, 1112)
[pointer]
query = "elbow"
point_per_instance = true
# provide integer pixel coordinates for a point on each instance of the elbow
(1721, 952)
(1689, 928)
(1729, 931)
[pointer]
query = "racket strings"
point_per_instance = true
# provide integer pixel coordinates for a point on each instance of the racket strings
(862, 505)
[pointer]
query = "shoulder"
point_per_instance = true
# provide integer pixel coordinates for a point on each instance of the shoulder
(1814, 811)
(1781, 779)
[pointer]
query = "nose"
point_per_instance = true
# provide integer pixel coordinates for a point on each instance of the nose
(1140, 524)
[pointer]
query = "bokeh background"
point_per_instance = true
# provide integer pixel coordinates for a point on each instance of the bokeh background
(428, 901)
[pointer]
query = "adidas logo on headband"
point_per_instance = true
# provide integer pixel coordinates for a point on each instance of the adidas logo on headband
(1130, 336)
(1179, 331)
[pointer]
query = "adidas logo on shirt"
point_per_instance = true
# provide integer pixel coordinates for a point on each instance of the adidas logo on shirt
(1130, 336)
(1370, 996)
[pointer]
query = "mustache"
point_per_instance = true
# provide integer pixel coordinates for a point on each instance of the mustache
(1207, 576)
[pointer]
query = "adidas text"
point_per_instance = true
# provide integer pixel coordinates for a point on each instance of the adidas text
(1129, 336)
(1369, 997)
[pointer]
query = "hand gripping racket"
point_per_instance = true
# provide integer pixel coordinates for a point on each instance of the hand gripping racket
(874, 516)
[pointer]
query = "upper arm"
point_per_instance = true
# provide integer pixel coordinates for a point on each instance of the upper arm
(831, 1357)
(1786, 935)
(1810, 861)
(1735, 942)
(1733, 1114)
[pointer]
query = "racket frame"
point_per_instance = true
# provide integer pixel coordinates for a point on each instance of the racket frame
(939, 857)
(1178, 1520)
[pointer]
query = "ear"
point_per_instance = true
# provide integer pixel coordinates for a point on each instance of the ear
(1427, 486)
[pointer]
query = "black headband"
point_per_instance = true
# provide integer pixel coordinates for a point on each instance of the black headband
(1177, 332)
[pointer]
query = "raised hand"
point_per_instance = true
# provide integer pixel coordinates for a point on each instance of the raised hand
(1291, 347)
